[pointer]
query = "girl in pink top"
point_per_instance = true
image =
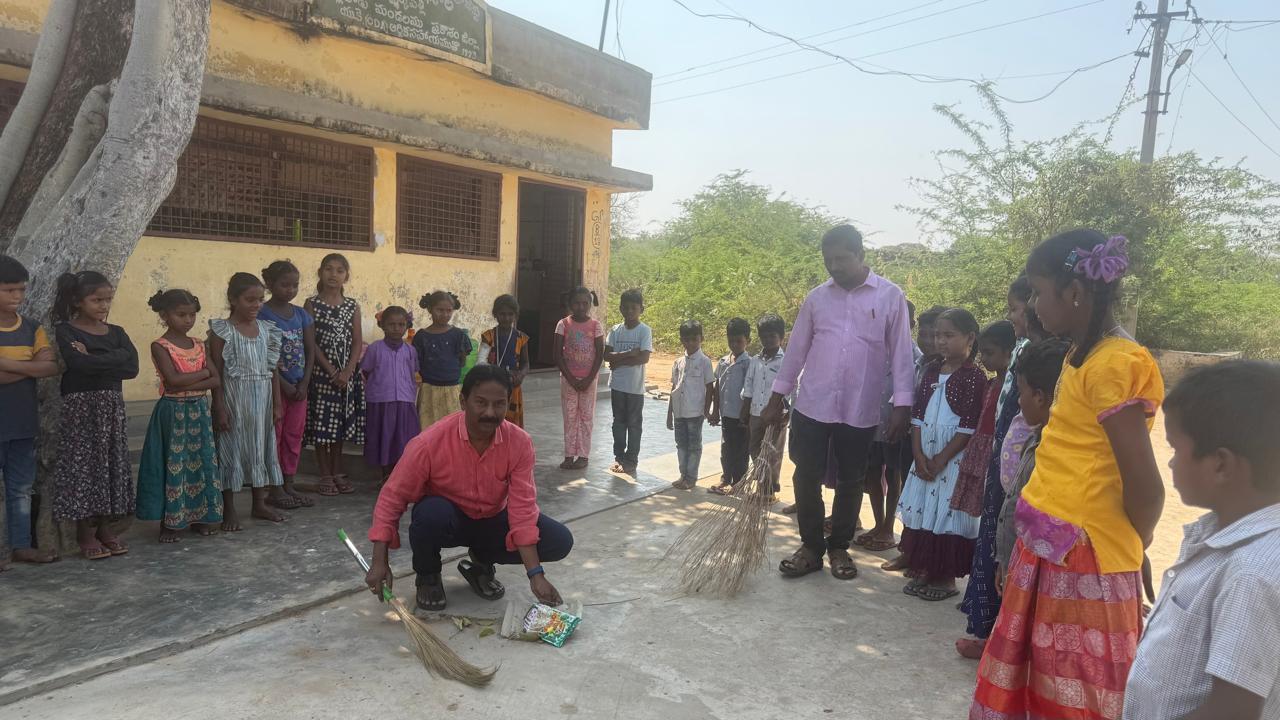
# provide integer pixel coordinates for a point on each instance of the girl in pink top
(578, 351)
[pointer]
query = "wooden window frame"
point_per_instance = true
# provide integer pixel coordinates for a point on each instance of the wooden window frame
(406, 163)
(356, 150)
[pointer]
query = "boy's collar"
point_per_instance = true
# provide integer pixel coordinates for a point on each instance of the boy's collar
(1206, 529)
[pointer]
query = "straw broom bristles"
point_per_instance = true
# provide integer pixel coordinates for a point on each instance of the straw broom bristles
(438, 658)
(726, 545)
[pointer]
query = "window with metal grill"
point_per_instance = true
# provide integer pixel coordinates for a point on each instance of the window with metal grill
(447, 210)
(10, 91)
(242, 182)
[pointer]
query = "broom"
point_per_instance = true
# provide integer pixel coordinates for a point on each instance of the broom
(439, 659)
(726, 545)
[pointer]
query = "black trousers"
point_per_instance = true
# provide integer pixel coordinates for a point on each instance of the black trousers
(628, 422)
(438, 523)
(810, 440)
(733, 449)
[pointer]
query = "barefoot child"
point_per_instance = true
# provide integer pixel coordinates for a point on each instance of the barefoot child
(442, 350)
(692, 393)
(1091, 504)
(25, 355)
(391, 420)
(1212, 645)
(335, 407)
(578, 351)
(178, 479)
(93, 480)
(888, 464)
(245, 351)
(508, 348)
(726, 407)
(937, 541)
(297, 360)
(627, 350)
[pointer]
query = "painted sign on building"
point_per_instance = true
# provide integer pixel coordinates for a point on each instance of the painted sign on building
(455, 30)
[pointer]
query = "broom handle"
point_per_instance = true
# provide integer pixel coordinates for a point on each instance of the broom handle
(364, 564)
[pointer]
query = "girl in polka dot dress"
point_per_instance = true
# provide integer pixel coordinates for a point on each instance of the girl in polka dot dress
(335, 408)
(937, 540)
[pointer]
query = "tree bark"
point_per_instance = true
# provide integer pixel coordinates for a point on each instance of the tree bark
(94, 56)
(97, 218)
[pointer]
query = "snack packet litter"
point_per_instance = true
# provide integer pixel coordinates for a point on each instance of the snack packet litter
(552, 625)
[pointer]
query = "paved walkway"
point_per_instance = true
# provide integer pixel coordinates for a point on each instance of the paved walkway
(65, 622)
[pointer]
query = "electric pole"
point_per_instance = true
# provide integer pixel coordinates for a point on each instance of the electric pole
(604, 24)
(1161, 18)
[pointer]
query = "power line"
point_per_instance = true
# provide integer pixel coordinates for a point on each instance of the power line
(918, 77)
(819, 48)
(1230, 112)
(789, 42)
(1242, 83)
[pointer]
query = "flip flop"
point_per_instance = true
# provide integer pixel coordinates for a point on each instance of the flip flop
(328, 487)
(722, 489)
(970, 648)
(94, 552)
(933, 594)
(912, 588)
(115, 547)
(481, 580)
(878, 545)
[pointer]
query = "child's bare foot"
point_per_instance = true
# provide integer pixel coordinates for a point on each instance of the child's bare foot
(230, 519)
(204, 529)
(896, 564)
(168, 535)
(33, 556)
(263, 512)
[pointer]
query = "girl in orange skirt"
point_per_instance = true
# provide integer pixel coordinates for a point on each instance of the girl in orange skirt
(1068, 627)
(505, 345)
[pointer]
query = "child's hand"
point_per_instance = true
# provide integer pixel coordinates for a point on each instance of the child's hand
(713, 418)
(301, 390)
(277, 412)
(221, 419)
(671, 422)
(922, 467)
(79, 347)
(44, 354)
(999, 580)
(341, 379)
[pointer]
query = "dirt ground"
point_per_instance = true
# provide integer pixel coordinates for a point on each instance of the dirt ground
(1168, 540)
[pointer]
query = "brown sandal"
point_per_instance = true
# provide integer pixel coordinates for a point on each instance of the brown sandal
(801, 563)
(328, 487)
(842, 566)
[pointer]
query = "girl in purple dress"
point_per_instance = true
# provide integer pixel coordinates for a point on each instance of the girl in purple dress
(391, 418)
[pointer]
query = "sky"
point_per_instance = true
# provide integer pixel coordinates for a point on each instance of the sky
(850, 142)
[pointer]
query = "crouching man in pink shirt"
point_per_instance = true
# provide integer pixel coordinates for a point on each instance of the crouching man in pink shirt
(469, 478)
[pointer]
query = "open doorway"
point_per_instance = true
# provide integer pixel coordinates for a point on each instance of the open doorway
(550, 251)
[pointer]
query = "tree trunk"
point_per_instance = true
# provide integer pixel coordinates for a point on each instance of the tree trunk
(116, 185)
(94, 57)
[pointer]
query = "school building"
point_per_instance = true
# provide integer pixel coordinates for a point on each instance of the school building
(438, 145)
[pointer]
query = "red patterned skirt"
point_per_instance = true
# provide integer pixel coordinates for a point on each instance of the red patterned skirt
(1063, 643)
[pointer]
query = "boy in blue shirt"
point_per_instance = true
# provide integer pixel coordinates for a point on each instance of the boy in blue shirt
(25, 355)
(727, 407)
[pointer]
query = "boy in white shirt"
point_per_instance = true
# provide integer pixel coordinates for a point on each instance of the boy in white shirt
(758, 388)
(627, 350)
(692, 392)
(1211, 649)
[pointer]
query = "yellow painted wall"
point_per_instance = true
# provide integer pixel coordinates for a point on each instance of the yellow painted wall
(378, 77)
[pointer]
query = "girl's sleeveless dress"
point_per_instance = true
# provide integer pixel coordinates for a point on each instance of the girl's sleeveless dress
(247, 452)
(179, 482)
(334, 414)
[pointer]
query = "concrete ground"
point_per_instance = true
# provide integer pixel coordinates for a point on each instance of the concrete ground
(812, 647)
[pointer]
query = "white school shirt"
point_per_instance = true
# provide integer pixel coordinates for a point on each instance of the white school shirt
(1218, 615)
(689, 378)
(759, 382)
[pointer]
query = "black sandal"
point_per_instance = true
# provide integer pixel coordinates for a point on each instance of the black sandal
(431, 593)
(801, 563)
(480, 577)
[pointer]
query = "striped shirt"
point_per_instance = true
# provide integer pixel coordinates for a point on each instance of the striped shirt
(1218, 616)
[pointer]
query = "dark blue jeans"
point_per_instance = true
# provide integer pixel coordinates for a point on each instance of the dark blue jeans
(18, 470)
(438, 523)
(628, 423)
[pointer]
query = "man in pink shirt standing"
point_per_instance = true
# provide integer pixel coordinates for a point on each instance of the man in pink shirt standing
(848, 331)
(469, 478)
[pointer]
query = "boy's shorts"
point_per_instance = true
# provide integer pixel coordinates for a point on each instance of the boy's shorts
(894, 456)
